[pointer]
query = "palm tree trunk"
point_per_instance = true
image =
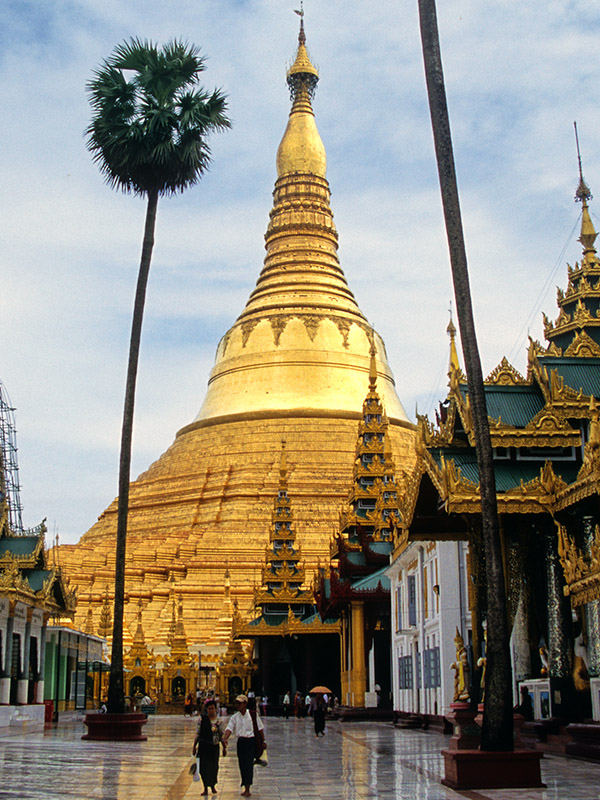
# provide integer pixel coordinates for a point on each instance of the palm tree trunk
(497, 733)
(116, 692)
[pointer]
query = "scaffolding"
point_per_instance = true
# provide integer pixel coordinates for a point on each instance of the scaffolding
(10, 489)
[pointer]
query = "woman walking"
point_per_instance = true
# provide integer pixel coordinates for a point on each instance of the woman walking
(206, 745)
(248, 727)
(317, 709)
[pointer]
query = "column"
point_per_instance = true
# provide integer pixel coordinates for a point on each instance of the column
(559, 646)
(358, 675)
(519, 609)
(23, 677)
(562, 690)
(591, 609)
(39, 695)
(592, 620)
(6, 667)
(345, 688)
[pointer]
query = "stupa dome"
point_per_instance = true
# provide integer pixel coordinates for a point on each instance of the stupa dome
(294, 366)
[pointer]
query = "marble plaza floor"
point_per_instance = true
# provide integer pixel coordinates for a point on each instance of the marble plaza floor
(354, 761)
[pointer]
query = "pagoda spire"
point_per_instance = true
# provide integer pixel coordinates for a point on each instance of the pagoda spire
(301, 269)
(576, 331)
(454, 364)
(283, 574)
(301, 318)
(139, 638)
(373, 504)
(582, 195)
(373, 366)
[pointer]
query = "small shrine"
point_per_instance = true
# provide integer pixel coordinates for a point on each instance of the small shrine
(354, 586)
(293, 645)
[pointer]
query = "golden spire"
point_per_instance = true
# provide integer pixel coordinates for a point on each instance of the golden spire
(373, 366)
(282, 468)
(105, 623)
(301, 342)
(301, 149)
(139, 637)
(454, 365)
(582, 195)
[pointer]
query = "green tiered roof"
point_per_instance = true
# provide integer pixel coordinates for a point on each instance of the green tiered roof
(540, 425)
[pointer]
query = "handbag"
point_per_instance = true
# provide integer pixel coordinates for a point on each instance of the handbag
(195, 769)
(259, 738)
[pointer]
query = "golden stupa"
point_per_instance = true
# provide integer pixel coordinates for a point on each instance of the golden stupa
(294, 367)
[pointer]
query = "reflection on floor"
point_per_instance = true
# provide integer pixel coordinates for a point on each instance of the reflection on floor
(354, 761)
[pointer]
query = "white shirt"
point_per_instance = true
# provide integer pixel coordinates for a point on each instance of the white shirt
(242, 726)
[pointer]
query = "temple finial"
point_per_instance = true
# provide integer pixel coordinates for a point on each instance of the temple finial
(302, 76)
(372, 365)
(454, 364)
(582, 195)
(283, 467)
(301, 35)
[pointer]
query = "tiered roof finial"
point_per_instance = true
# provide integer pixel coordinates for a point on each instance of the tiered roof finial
(301, 35)
(454, 364)
(582, 195)
(302, 75)
(372, 365)
(282, 467)
(583, 192)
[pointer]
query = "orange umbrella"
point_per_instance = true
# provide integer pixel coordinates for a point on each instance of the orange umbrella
(320, 690)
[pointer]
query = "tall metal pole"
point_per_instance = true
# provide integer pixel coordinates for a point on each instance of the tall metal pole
(497, 732)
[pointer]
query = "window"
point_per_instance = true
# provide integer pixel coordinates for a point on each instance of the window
(399, 608)
(543, 453)
(405, 672)
(412, 600)
(366, 502)
(431, 663)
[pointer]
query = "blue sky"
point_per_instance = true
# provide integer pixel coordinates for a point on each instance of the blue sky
(517, 75)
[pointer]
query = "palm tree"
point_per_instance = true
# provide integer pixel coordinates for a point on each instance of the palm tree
(497, 730)
(148, 135)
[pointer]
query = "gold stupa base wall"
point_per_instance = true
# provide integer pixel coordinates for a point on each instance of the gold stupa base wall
(206, 506)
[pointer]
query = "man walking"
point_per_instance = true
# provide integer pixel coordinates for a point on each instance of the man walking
(248, 728)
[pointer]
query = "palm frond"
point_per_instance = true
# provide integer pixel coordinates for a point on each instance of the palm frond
(151, 119)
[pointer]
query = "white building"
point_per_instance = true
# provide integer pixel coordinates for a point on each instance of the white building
(430, 601)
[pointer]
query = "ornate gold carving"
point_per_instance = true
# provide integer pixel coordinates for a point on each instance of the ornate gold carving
(547, 429)
(248, 326)
(505, 375)
(311, 323)
(344, 326)
(582, 573)
(225, 341)
(278, 325)
(583, 346)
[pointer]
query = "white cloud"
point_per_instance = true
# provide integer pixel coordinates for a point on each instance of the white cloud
(517, 75)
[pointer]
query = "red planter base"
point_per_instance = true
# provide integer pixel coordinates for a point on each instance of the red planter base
(115, 727)
(478, 769)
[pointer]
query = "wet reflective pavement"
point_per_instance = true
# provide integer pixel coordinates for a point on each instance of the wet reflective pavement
(354, 761)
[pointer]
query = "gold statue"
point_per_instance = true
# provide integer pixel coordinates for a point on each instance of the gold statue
(482, 663)
(461, 671)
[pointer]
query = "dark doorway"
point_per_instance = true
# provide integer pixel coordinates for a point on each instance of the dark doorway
(235, 687)
(137, 685)
(15, 667)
